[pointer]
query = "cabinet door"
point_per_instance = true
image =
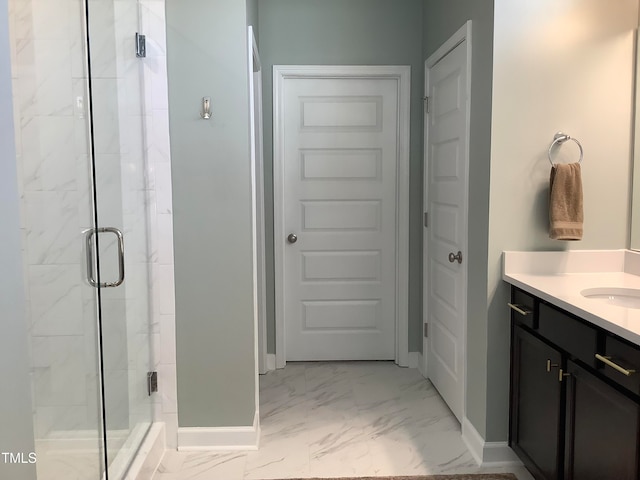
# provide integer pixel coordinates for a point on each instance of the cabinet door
(602, 430)
(536, 405)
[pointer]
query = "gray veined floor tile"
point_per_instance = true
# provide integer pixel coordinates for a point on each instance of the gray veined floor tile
(202, 466)
(288, 455)
(332, 419)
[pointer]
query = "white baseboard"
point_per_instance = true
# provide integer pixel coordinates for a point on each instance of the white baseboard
(487, 454)
(422, 366)
(414, 359)
(473, 440)
(417, 360)
(220, 438)
(271, 361)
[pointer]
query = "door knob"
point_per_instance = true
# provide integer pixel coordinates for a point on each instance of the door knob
(453, 257)
(292, 238)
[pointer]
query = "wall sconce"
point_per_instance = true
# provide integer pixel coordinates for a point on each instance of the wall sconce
(206, 108)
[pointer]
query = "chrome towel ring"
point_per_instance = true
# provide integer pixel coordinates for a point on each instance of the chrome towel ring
(559, 138)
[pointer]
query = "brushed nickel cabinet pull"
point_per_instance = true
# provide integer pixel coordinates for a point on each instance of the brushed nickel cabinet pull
(550, 365)
(521, 309)
(615, 366)
(561, 375)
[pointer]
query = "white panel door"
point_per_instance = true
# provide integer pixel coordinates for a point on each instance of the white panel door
(340, 159)
(447, 209)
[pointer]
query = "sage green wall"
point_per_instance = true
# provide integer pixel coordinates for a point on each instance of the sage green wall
(570, 71)
(353, 32)
(531, 75)
(207, 56)
(252, 18)
(16, 422)
(441, 20)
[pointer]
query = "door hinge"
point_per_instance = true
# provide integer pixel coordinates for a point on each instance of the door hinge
(152, 382)
(426, 219)
(426, 104)
(141, 46)
(426, 330)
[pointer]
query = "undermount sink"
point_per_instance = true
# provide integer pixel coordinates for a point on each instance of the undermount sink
(621, 297)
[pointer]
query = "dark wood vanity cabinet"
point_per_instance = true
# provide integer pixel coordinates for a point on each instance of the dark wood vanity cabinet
(601, 429)
(536, 403)
(572, 417)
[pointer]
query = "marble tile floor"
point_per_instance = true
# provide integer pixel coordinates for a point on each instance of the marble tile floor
(331, 419)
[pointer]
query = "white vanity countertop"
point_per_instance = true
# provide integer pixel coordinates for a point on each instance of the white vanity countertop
(559, 277)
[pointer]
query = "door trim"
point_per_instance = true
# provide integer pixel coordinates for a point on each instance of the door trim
(463, 34)
(402, 74)
(257, 213)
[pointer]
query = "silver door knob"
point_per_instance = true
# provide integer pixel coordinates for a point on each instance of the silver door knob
(292, 238)
(453, 257)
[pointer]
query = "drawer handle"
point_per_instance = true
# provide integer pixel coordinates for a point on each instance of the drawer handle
(561, 375)
(615, 366)
(521, 309)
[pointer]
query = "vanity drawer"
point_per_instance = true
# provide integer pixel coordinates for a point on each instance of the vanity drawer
(570, 334)
(523, 308)
(625, 356)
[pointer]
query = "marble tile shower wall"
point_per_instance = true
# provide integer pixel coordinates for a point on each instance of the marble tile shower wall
(133, 165)
(48, 74)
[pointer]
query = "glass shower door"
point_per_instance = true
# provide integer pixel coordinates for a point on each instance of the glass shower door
(55, 179)
(121, 239)
(79, 121)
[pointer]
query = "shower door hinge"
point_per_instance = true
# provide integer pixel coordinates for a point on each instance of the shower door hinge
(426, 219)
(152, 382)
(426, 330)
(141, 45)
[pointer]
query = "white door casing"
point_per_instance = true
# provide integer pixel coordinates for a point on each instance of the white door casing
(341, 185)
(447, 124)
(257, 193)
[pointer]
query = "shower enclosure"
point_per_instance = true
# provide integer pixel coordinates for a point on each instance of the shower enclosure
(79, 115)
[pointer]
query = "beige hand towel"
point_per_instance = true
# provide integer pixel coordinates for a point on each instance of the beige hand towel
(565, 202)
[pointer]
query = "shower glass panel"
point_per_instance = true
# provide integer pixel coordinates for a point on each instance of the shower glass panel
(50, 92)
(78, 104)
(120, 170)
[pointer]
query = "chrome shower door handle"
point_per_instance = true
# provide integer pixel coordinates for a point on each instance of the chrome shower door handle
(88, 247)
(89, 252)
(120, 237)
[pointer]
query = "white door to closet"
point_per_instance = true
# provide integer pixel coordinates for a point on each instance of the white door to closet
(446, 186)
(340, 155)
